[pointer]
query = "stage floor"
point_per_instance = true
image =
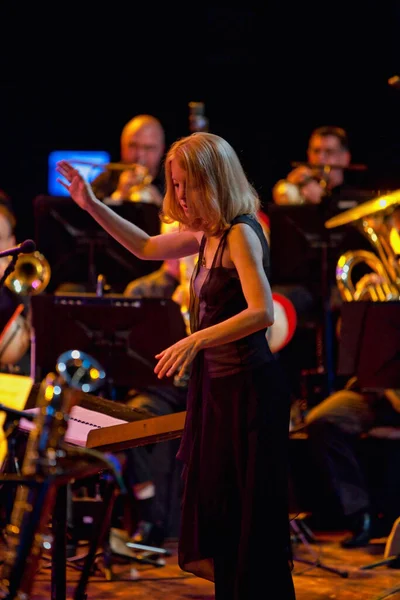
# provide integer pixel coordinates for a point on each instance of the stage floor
(132, 580)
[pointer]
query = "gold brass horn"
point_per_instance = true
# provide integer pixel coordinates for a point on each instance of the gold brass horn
(133, 185)
(31, 274)
(372, 218)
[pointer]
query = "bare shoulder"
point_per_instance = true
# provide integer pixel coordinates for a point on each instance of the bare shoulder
(244, 234)
(244, 245)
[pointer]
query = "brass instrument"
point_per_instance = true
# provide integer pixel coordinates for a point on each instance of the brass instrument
(30, 276)
(27, 533)
(134, 183)
(372, 218)
(285, 192)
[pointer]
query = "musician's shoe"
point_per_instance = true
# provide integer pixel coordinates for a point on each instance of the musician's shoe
(118, 543)
(149, 534)
(361, 532)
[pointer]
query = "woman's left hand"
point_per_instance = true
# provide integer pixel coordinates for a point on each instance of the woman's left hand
(177, 357)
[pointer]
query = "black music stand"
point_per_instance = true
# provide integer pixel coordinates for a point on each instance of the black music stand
(303, 250)
(370, 350)
(370, 344)
(123, 334)
(304, 253)
(78, 249)
(302, 533)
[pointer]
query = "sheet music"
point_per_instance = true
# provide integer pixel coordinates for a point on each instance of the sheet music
(80, 422)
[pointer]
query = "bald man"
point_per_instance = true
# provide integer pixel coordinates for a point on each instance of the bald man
(142, 143)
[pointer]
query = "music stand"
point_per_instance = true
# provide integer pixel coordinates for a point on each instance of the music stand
(370, 350)
(78, 249)
(124, 334)
(304, 253)
(370, 344)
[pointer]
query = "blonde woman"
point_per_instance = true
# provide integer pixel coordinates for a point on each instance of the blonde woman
(235, 442)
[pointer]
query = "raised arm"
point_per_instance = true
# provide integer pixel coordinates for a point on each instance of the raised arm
(134, 239)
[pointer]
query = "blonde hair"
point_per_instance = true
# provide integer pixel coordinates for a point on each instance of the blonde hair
(212, 166)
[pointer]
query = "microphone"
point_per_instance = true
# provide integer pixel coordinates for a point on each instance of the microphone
(26, 247)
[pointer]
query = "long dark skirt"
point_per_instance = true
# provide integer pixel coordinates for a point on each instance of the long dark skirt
(235, 516)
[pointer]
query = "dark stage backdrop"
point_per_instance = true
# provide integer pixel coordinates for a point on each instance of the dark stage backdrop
(267, 75)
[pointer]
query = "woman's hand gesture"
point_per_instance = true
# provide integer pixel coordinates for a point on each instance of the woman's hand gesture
(178, 357)
(79, 189)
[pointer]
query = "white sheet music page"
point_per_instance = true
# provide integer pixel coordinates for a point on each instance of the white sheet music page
(80, 422)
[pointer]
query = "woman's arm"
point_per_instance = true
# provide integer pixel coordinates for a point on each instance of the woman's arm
(159, 247)
(245, 252)
(137, 241)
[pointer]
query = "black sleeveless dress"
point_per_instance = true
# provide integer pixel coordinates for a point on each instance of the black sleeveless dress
(235, 446)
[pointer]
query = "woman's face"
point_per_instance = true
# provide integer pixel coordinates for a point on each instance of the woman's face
(186, 194)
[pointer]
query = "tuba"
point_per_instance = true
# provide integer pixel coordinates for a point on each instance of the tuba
(374, 220)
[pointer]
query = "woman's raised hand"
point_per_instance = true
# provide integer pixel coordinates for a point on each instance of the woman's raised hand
(79, 189)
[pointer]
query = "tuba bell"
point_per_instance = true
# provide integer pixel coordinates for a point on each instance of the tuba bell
(375, 221)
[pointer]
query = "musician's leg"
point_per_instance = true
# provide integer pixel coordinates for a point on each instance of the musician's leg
(334, 427)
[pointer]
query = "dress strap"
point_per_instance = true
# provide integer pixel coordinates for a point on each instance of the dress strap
(253, 222)
(201, 249)
(217, 260)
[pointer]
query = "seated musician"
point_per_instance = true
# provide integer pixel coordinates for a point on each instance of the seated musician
(14, 309)
(333, 427)
(147, 468)
(142, 147)
(320, 181)
(324, 183)
(315, 181)
(14, 335)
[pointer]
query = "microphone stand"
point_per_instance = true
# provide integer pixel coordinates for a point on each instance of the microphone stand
(326, 298)
(11, 462)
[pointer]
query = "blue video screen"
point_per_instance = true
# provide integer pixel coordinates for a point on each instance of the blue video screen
(87, 162)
